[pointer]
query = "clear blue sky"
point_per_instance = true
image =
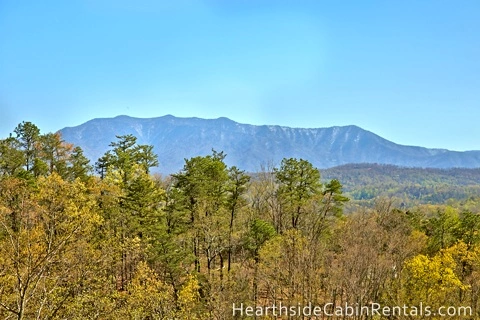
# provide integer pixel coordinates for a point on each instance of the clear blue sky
(407, 70)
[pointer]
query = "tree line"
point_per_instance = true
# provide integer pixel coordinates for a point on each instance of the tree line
(113, 241)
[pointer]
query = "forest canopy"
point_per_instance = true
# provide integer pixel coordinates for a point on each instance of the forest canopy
(111, 240)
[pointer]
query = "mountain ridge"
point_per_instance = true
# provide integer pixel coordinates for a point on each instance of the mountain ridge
(250, 146)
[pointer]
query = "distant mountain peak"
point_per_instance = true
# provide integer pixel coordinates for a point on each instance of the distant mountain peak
(249, 146)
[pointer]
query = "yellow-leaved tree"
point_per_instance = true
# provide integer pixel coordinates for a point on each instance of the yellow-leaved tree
(432, 280)
(45, 253)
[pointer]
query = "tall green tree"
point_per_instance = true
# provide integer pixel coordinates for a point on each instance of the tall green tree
(237, 186)
(299, 183)
(203, 185)
(124, 153)
(79, 165)
(134, 216)
(333, 198)
(28, 135)
(12, 158)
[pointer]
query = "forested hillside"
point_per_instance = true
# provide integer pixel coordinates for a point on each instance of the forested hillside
(363, 183)
(110, 240)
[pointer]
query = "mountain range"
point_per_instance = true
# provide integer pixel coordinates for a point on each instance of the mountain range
(250, 147)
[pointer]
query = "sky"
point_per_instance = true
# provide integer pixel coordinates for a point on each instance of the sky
(406, 70)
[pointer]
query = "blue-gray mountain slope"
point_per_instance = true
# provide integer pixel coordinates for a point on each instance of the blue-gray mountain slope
(248, 146)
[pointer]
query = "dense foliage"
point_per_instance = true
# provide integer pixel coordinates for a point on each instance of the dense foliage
(126, 244)
(364, 183)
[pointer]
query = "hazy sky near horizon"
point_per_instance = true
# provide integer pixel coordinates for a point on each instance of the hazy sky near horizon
(406, 70)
